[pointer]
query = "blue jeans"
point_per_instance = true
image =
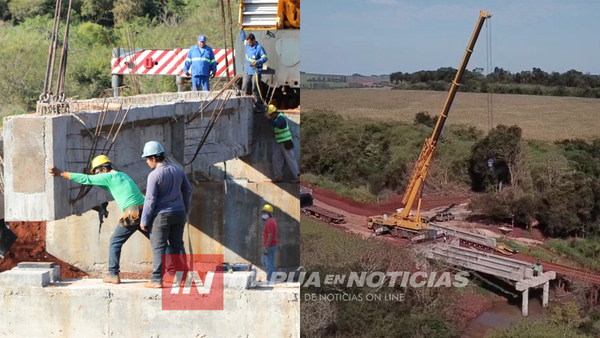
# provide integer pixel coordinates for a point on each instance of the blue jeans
(166, 227)
(200, 82)
(269, 262)
(118, 238)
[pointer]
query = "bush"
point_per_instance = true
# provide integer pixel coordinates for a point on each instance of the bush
(425, 119)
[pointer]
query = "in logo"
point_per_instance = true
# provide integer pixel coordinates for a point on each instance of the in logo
(192, 282)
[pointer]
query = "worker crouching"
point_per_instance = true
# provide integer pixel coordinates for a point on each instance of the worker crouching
(284, 152)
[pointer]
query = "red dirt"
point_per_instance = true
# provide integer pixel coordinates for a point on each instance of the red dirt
(389, 206)
(124, 275)
(30, 246)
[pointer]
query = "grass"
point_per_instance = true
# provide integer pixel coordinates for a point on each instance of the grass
(541, 117)
(586, 252)
(361, 194)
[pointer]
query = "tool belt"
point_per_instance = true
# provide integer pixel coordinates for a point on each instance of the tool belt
(289, 144)
(131, 216)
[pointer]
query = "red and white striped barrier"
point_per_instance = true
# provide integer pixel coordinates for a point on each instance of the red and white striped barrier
(165, 62)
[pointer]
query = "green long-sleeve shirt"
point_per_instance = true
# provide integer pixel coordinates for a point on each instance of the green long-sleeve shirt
(121, 187)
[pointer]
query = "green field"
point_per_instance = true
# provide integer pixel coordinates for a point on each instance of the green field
(541, 117)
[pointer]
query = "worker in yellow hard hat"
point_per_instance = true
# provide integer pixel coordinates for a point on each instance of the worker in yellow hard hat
(270, 242)
(128, 197)
(284, 152)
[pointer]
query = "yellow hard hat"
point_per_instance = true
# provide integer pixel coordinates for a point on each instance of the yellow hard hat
(268, 208)
(271, 109)
(98, 161)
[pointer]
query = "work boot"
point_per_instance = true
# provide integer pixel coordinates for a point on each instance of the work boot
(113, 279)
(153, 285)
(296, 180)
(277, 179)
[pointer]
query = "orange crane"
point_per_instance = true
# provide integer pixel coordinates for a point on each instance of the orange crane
(404, 223)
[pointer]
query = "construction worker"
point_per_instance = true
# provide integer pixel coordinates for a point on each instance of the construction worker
(201, 59)
(270, 242)
(255, 58)
(168, 197)
(285, 146)
(536, 268)
(127, 196)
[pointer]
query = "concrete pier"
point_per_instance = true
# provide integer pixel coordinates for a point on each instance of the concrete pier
(231, 179)
(515, 271)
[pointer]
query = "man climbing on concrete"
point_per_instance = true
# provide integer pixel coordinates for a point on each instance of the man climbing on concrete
(255, 58)
(127, 196)
(285, 146)
(201, 60)
(270, 242)
(168, 198)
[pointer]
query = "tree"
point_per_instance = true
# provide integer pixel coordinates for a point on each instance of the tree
(22, 9)
(98, 11)
(126, 10)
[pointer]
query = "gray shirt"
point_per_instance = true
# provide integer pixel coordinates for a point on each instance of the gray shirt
(168, 190)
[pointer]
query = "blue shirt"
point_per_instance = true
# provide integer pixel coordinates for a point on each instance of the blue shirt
(201, 60)
(256, 53)
(279, 122)
(166, 185)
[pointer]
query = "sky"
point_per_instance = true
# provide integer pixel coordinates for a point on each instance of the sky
(376, 37)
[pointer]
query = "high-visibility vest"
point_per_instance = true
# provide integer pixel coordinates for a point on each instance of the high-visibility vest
(282, 135)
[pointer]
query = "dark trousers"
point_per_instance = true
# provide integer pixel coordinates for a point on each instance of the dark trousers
(249, 86)
(166, 227)
(118, 238)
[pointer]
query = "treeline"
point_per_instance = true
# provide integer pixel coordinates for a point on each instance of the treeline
(534, 82)
(553, 185)
(107, 13)
(27, 30)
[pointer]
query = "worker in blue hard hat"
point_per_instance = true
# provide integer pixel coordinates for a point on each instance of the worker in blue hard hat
(168, 198)
(200, 64)
(128, 197)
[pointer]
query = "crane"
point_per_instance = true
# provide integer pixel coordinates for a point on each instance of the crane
(403, 223)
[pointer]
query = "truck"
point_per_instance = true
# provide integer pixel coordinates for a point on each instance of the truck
(405, 222)
(276, 26)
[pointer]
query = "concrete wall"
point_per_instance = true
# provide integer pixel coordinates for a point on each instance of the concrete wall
(86, 309)
(224, 217)
(34, 142)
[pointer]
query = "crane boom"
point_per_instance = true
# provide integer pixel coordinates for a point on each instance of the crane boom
(403, 219)
(422, 165)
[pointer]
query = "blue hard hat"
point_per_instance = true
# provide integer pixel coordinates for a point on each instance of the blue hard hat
(152, 148)
(201, 38)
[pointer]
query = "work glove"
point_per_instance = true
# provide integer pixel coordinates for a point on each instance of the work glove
(253, 64)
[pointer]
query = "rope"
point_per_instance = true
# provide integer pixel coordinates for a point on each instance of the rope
(230, 34)
(225, 38)
(489, 66)
(62, 70)
(51, 53)
(211, 123)
(258, 85)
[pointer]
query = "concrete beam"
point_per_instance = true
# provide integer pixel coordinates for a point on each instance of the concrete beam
(34, 143)
(22, 277)
(535, 281)
(91, 308)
